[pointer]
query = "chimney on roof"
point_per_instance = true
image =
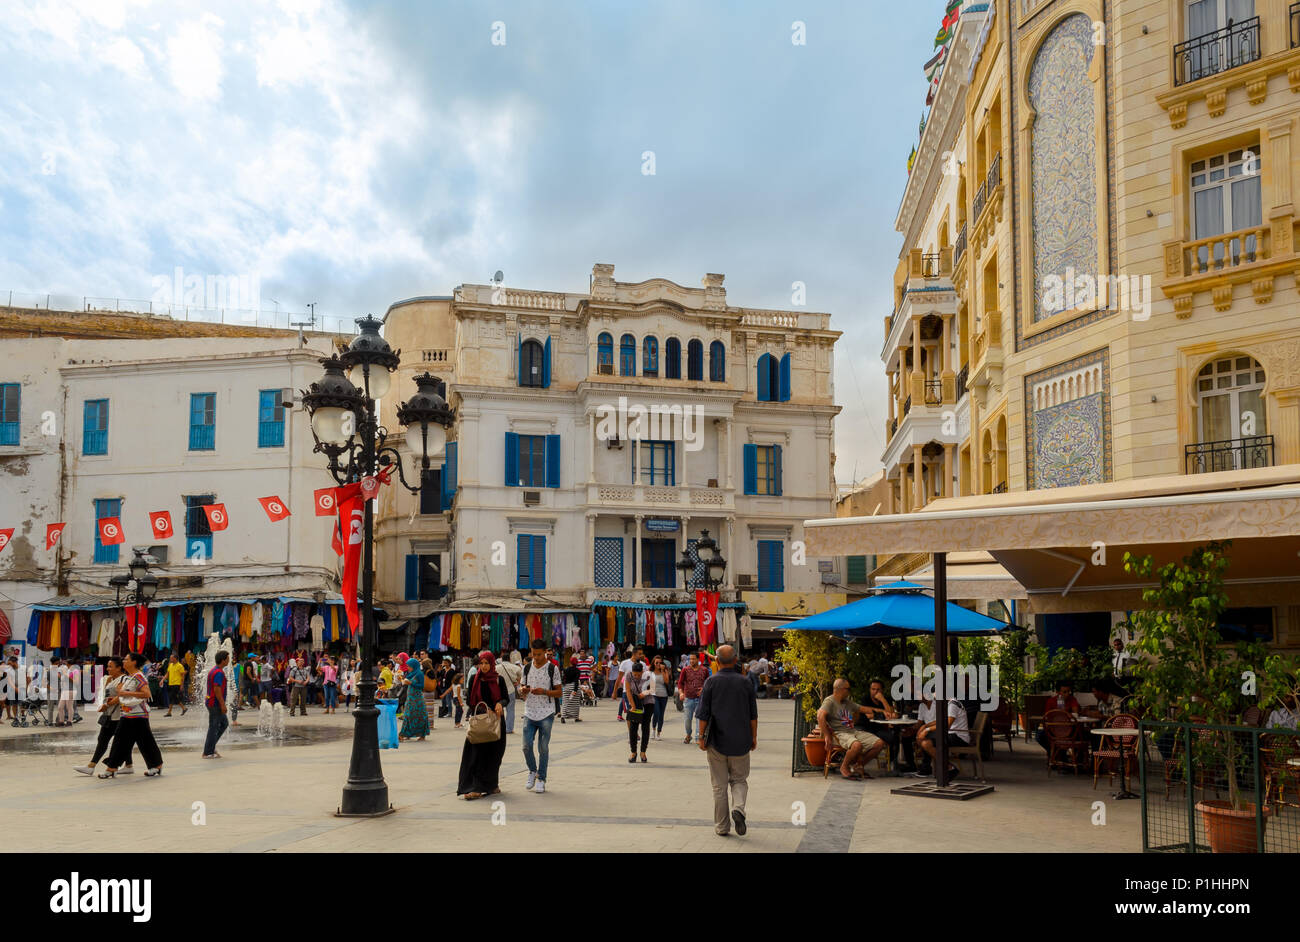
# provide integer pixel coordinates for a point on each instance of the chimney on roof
(602, 282)
(715, 296)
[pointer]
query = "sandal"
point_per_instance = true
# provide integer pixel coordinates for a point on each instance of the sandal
(643, 758)
(108, 773)
(632, 757)
(473, 796)
(153, 773)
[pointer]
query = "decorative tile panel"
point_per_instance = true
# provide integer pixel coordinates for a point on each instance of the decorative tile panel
(1067, 421)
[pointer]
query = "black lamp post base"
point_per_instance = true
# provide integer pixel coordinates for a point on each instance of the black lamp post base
(366, 793)
(362, 802)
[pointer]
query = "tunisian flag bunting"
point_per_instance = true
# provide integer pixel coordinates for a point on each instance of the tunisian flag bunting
(351, 506)
(5, 536)
(325, 502)
(706, 610)
(52, 533)
(274, 508)
(110, 531)
(217, 519)
(160, 522)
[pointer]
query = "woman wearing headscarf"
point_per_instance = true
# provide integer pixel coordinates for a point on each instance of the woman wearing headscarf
(480, 763)
(415, 724)
(110, 714)
(133, 727)
(572, 695)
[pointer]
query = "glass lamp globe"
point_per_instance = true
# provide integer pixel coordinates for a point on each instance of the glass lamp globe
(327, 423)
(435, 440)
(379, 379)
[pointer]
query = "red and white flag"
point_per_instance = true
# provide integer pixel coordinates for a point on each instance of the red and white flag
(160, 522)
(274, 508)
(110, 531)
(217, 519)
(325, 502)
(706, 609)
(5, 536)
(351, 516)
(369, 487)
(52, 533)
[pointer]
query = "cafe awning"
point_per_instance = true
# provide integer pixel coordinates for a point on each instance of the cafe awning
(1066, 546)
(973, 576)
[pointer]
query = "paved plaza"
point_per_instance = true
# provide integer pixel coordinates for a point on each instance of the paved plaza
(279, 797)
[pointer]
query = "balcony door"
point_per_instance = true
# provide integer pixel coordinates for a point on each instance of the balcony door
(1233, 416)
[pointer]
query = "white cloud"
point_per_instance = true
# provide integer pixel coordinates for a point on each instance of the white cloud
(194, 58)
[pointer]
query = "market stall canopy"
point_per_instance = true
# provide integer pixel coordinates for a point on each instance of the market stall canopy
(901, 608)
(1066, 545)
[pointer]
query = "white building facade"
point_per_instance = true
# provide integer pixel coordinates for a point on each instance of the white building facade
(598, 435)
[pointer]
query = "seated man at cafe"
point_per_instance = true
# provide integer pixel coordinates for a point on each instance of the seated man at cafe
(1285, 716)
(878, 707)
(837, 719)
(1064, 700)
(928, 722)
(1107, 700)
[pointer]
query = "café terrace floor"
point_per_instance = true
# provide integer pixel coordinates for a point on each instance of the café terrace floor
(266, 796)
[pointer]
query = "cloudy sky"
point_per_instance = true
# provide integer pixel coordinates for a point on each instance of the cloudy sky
(355, 153)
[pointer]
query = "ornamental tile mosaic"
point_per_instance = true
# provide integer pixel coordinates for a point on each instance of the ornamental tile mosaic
(1063, 158)
(609, 562)
(1069, 442)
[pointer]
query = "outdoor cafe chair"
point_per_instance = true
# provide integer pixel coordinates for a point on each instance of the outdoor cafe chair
(1279, 776)
(972, 751)
(1064, 738)
(1003, 719)
(1110, 751)
(1035, 708)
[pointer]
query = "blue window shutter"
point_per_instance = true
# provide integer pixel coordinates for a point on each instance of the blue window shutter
(449, 476)
(777, 565)
(412, 577)
(546, 364)
(751, 469)
(764, 568)
(519, 355)
(523, 561)
(785, 378)
(552, 461)
(776, 470)
(764, 376)
(512, 459)
(539, 562)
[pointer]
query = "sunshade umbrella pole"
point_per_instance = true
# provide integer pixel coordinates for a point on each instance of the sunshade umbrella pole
(941, 661)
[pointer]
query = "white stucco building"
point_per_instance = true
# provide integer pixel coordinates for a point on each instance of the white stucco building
(554, 503)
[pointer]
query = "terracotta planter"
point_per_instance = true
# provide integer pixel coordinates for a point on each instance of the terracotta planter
(814, 748)
(1229, 830)
(1023, 720)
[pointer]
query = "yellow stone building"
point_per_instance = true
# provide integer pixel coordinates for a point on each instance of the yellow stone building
(1096, 301)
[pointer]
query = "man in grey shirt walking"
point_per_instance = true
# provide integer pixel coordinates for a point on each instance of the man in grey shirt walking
(728, 718)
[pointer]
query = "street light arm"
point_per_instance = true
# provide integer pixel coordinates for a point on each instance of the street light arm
(391, 452)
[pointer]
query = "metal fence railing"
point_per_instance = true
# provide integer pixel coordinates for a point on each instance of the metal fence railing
(1219, 789)
(799, 759)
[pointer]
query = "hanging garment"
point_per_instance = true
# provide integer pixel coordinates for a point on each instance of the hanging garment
(245, 621)
(728, 618)
(277, 617)
(34, 629)
(229, 619)
(692, 637)
(301, 623)
(259, 615)
(317, 632)
(661, 630)
(746, 635)
(209, 623)
(104, 639)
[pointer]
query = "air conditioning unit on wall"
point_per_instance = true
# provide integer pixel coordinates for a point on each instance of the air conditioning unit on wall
(532, 498)
(744, 581)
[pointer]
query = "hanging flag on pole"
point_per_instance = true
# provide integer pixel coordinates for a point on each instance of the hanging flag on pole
(949, 26)
(53, 531)
(706, 610)
(160, 522)
(216, 514)
(274, 508)
(935, 65)
(110, 531)
(351, 507)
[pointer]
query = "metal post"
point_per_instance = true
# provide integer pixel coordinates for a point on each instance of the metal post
(366, 793)
(1259, 790)
(1142, 777)
(941, 662)
(1187, 788)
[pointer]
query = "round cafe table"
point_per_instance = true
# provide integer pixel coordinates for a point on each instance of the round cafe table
(1295, 762)
(1119, 733)
(900, 722)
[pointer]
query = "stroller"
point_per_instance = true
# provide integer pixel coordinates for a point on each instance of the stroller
(31, 711)
(588, 695)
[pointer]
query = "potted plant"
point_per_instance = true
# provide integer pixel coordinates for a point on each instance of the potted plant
(1009, 658)
(1191, 675)
(816, 658)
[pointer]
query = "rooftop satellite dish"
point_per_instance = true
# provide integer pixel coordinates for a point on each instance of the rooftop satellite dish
(498, 277)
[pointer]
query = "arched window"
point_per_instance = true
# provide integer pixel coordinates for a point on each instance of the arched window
(769, 383)
(627, 355)
(1232, 417)
(531, 364)
(695, 361)
(650, 357)
(717, 362)
(605, 353)
(673, 358)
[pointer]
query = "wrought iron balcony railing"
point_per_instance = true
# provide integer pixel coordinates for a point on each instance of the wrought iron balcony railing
(962, 379)
(930, 265)
(1295, 25)
(1001, 488)
(959, 249)
(1235, 45)
(1234, 454)
(933, 392)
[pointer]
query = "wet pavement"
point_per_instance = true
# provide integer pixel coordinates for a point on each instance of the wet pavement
(80, 739)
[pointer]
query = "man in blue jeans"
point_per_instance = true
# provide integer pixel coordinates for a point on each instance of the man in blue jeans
(215, 700)
(540, 687)
(690, 683)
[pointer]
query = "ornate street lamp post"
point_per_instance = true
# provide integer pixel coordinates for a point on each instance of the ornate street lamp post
(706, 551)
(140, 587)
(347, 431)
